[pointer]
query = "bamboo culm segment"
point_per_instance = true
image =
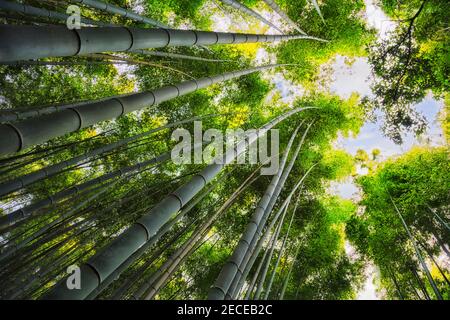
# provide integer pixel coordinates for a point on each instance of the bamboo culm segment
(120, 11)
(44, 13)
(228, 272)
(280, 253)
(16, 114)
(250, 12)
(30, 178)
(105, 262)
(20, 135)
(24, 212)
(176, 56)
(167, 227)
(418, 254)
(24, 42)
(257, 249)
(283, 15)
(239, 272)
(263, 274)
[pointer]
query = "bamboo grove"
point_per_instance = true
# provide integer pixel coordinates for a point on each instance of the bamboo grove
(87, 178)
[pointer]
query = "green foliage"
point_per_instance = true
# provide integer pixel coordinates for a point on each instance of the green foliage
(344, 30)
(411, 62)
(416, 181)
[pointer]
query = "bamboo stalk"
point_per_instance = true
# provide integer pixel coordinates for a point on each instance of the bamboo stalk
(262, 276)
(237, 281)
(24, 42)
(176, 56)
(46, 172)
(283, 15)
(120, 11)
(280, 253)
(237, 5)
(225, 278)
(254, 253)
(419, 255)
(23, 213)
(44, 13)
(26, 133)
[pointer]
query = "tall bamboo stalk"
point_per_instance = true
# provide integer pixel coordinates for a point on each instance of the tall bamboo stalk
(46, 172)
(280, 253)
(229, 270)
(258, 269)
(421, 285)
(288, 276)
(24, 212)
(316, 6)
(44, 13)
(235, 4)
(255, 252)
(237, 281)
(430, 255)
(176, 56)
(152, 241)
(438, 217)
(102, 264)
(176, 258)
(24, 42)
(418, 254)
(263, 274)
(394, 280)
(283, 15)
(120, 11)
(26, 133)
(58, 63)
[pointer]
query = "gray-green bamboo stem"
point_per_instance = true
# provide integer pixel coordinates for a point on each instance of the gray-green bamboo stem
(225, 278)
(283, 15)
(22, 134)
(155, 283)
(176, 56)
(25, 42)
(152, 241)
(110, 8)
(24, 212)
(255, 252)
(262, 277)
(236, 284)
(258, 270)
(280, 253)
(288, 276)
(235, 4)
(418, 254)
(316, 6)
(438, 217)
(30, 178)
(44, 13)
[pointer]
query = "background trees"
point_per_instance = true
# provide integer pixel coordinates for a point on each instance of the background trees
(411, 62)
(418, 185)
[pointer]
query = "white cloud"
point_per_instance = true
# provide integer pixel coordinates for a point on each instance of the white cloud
(347, 79)
(377, 19)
